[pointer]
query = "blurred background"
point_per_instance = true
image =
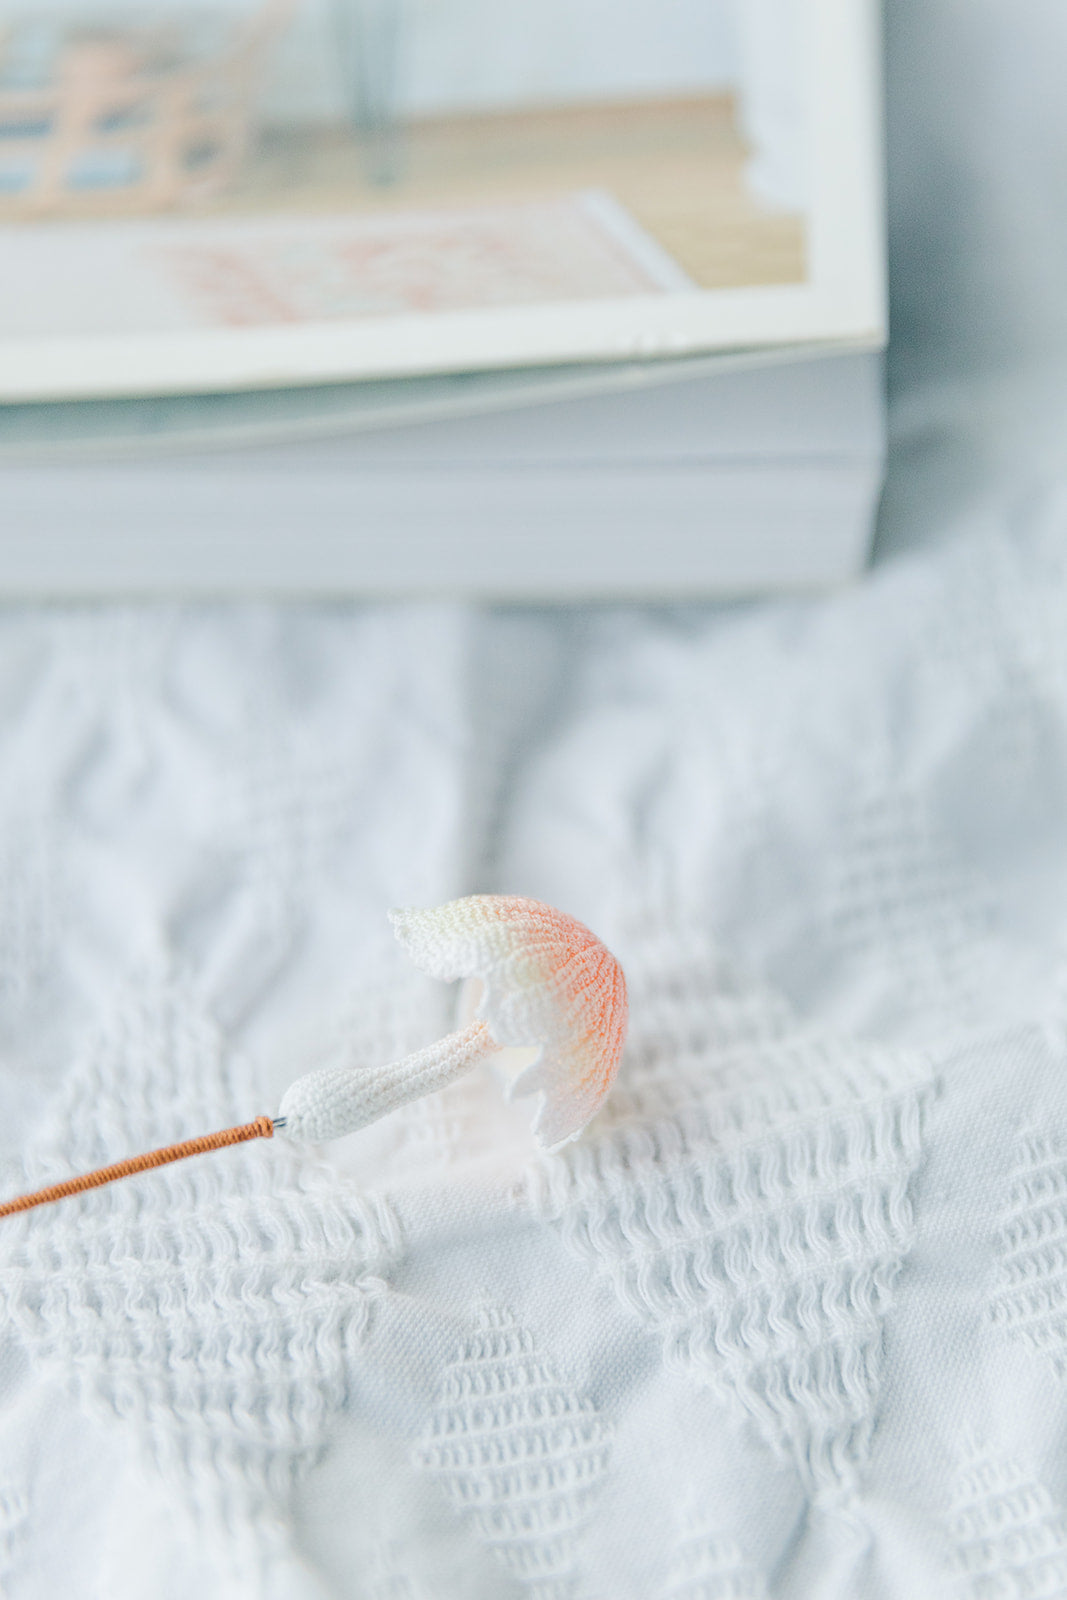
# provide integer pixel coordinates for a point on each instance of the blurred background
(208, 217)
(977, 248)
(365, 105)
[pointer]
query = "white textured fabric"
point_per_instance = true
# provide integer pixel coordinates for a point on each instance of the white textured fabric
(786, 1320)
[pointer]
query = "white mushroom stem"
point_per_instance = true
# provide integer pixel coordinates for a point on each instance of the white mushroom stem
(338, 1100)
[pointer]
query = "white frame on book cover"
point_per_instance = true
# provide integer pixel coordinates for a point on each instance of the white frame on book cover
(842, 298)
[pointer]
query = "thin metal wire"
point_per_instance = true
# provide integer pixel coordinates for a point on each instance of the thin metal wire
(261, 1128)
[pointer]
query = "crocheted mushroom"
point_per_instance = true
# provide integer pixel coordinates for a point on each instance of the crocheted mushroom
(546, 982)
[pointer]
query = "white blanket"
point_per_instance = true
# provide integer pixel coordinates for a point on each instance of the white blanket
(788, 1320)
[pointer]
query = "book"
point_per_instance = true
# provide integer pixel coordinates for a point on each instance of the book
(597, 209)
(489, 282)
(720, 475)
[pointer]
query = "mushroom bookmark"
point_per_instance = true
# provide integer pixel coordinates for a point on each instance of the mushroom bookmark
(546, 982)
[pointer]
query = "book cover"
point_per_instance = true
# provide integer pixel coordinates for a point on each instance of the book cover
(274, 194)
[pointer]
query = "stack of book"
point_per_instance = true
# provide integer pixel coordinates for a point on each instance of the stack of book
(539, 348)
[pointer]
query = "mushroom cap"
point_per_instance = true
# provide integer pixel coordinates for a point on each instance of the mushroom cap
(547, 981)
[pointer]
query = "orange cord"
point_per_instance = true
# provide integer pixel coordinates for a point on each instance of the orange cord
(262, 1128)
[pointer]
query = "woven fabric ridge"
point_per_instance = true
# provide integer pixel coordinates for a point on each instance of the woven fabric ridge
(519, 1453)
(1030, 1295)
(757, 1224)
(707, 1566)
(903, 907)
(213, 1305)
(1009, 1540)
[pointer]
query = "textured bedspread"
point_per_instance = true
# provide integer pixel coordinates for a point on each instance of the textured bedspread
(789, 1320)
